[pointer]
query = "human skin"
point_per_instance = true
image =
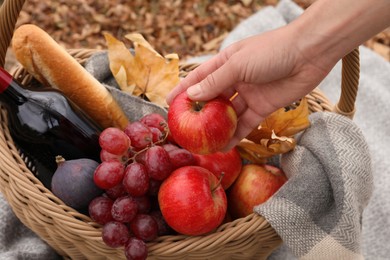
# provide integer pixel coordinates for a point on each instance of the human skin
(276, 68)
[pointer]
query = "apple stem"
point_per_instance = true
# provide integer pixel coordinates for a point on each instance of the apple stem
(219, 182)
(198, 106)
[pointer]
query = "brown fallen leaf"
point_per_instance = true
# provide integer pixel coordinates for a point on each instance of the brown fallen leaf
(284, 121)
(120, 60)
(259, 152)
(146, 74)
(275, 135)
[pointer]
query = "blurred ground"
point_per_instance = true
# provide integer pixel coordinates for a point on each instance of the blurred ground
(188, 28)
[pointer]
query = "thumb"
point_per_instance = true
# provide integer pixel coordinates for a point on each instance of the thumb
(218, 83)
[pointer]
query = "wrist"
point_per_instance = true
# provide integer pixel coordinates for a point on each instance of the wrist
(329, 29)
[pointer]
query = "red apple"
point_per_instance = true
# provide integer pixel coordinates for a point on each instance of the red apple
(192, 201)
(201, 127)
(229, 163)
(254, 185)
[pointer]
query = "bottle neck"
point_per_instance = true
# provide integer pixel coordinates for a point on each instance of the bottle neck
(5, 80)
(11, 89)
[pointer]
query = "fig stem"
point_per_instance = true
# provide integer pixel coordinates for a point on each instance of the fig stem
(219, 182)
(59, 159)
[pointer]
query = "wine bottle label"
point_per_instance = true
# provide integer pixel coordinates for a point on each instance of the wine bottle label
(5, 80)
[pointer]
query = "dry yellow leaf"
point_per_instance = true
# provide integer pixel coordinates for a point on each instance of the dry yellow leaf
(138, 39)
(284, 122)
(260, 152)
(275, 135)
(120, 60)
(148, 74)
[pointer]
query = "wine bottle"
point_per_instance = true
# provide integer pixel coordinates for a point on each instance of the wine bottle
(44, 123)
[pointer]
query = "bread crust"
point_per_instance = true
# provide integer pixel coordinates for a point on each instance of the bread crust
(53, 66)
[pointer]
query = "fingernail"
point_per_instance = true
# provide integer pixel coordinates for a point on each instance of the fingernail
(194, 90)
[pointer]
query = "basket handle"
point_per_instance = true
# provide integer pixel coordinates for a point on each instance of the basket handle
(9, 13)
(10, 10)
(350, 74)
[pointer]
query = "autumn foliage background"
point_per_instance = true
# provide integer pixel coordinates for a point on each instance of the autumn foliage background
(188, 28)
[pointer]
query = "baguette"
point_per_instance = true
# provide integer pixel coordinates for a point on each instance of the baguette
(53, 66)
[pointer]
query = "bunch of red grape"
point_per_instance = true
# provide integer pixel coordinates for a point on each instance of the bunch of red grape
(135, 162)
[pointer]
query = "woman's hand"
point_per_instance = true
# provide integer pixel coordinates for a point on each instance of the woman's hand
(276, 68)
(267, 71)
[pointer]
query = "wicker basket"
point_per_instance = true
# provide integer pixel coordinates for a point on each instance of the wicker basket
(76, 236)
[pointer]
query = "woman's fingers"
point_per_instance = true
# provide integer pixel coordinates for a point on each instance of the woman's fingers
(219, 82)
(239, 105)
(248, 121)
(195, 76)
(210, 79)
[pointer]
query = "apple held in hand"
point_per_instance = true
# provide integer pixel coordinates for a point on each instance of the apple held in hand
(201, 127)
(229, 163)
(192, 201)
(254, 185)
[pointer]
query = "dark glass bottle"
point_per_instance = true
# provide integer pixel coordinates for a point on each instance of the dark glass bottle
(44, 124)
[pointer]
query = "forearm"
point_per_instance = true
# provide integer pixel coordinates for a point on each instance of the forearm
(329, 29)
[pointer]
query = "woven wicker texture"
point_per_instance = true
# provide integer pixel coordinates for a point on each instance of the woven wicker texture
(76, 236)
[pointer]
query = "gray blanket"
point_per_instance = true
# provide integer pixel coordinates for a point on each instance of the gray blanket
(318, 212)
(336, 182)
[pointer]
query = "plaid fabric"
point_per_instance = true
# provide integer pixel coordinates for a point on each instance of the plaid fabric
(318, 212)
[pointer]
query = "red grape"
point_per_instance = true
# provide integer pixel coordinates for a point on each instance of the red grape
(106, 156)
(136, 179)
(116, 191)
(144, 227)
(124, 209)
(163, 227)
(140, 157)
(144, 204)
(169, 147)
(157, 135)
(100, 209)
(136, 249)
(154, 186)
(155, 120)
(115, 234)
(157, 163)
(139, 134)
(181, 157)
(114, 141)
(108, 174)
